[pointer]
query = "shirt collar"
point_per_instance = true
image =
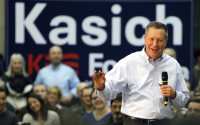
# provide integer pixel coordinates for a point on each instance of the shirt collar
(147, 58)
(55, 68)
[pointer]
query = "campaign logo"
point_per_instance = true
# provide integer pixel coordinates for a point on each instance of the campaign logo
(70, 59)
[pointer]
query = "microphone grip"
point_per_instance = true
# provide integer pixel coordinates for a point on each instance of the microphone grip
(165, 98)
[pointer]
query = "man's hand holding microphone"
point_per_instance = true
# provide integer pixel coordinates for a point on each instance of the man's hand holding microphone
(167, 90)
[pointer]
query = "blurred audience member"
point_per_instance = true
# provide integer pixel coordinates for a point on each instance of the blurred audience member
(41, 90)
(1, 65)
(80, 87)
(87, 107)
(117, 116)
(193, 113)
(185, 71)
(197, 71)
(6, 117)
(17, 82)
(197, 93)
(194, 108)
(38, 114)
(99, 115)
(171, 52)
(60, 75)
(54, 96)
(78, 101)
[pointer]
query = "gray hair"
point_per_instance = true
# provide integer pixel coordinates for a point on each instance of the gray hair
(157, 25)
(9, 72)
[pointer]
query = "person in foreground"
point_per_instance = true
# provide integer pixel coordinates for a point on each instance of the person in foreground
(38, 113)
(138, 77)
(6, 117)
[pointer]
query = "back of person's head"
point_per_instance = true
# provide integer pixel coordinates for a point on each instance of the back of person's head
(43, 108)
(157, 25)
(171, 52)
(13, 57)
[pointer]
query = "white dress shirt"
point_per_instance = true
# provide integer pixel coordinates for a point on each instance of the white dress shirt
(137, 76)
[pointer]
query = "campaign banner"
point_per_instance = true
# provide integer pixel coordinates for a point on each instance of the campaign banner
(93, 34)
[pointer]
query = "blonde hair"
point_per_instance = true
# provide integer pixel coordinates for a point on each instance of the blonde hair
(9, 72)
(58, 90)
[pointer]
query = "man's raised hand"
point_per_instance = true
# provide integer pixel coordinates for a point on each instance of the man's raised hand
(99, 80)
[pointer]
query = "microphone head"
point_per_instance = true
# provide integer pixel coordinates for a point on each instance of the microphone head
(164, 76)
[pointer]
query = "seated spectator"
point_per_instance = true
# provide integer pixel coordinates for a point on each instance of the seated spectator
(87, 107)
(6, 117)
(58, 74)
(196, 71)
(41, 90)
(78, 101)
(17, 82)
(38, 113)
(193, 113)
(117, 116)
(194, 108)
(101, 112)
(197, 93)
(54, 96)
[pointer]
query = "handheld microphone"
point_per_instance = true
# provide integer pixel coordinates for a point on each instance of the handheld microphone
(164, 81)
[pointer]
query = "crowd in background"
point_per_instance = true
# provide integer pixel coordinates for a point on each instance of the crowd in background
(58, 97)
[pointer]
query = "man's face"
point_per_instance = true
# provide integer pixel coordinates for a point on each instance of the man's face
(55, 55)
(80, 87)
(86, 97)
(2, 101)
(115, 109)
(155, 42)
(193, 110)
(41, 91)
